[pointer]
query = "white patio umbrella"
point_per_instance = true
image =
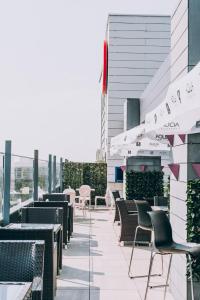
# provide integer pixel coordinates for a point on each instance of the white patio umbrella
(128, 137)
(179, 113)
(143, 146)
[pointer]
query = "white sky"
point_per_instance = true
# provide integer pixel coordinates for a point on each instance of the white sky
(50, 62)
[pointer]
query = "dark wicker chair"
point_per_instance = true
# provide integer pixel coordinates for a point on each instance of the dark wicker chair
(23, 261)
(62, 197)
(42, 215)
(150, 200)
(46, 215)
(116, 196)
(70, 220)
(129, 221)
(50, 256)
(62, 204)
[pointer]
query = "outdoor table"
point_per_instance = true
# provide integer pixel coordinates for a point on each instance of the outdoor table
(15, 290)
(57, 230)
(164, 208)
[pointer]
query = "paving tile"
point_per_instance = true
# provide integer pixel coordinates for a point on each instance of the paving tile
(75, 273)
(72, 294)
(112, 294)
(112, 282)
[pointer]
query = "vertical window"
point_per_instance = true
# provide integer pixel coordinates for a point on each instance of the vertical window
(118, 174)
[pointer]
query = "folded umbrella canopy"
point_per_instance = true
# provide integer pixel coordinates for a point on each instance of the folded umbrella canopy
(129, 136)
(134, 143)
(144, 147)
(179, 112)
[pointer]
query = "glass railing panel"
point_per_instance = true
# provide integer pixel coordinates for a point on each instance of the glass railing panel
(43, 177)
(21, 179)
(57, 174)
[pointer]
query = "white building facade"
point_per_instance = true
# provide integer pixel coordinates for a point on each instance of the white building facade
(137, 46)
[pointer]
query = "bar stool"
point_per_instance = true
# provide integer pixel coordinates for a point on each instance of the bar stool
(164, 244)
(144, 223)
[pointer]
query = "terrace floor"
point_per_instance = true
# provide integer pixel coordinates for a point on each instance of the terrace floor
(95, 266)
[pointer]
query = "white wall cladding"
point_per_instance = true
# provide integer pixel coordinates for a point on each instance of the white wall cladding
(137, 47)
(156, 90)
(174, 67)
(178, 211)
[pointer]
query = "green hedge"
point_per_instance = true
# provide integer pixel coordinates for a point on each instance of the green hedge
(92, 174)
(193, 219)
(140, 185)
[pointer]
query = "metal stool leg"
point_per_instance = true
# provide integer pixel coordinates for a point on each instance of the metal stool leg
(133, 247)
(168, 272)
(149, 274)
(162, 265)
(191, 276)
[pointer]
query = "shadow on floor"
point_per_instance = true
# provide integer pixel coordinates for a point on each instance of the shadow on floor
(82, 248)
(71, 274)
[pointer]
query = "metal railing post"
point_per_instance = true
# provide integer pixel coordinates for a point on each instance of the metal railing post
(50, 174)
(61, 175)
(35, 175)
(54, 173)
(7, 179)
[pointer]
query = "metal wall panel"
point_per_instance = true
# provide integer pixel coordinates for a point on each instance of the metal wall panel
(113, 117)
(139, 34)
(182, 26)
(179, 67)
(178, 14)
(137, 19)
(137, 47)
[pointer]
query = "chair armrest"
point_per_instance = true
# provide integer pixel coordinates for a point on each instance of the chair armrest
(37, 288)
(132, 217)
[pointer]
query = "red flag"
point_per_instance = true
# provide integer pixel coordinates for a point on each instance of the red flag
(105, 68)
(170, 139)
(182, 137)
(123, 168)
(196, 168)
(175, 168)
(142, 168)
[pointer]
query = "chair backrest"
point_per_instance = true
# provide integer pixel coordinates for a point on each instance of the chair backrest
(116, 194)
(85, 191)
(55, 197)
(71, 193)
(17, 260)
(42, 215)
(143, 208)
(160, 201)
(162, 228)
(123, 211)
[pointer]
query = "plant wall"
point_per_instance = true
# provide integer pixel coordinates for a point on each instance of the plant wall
(193, 219)
(141, 185)
(92, 174)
